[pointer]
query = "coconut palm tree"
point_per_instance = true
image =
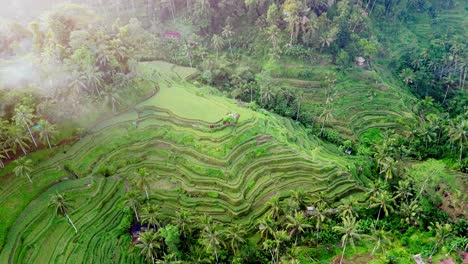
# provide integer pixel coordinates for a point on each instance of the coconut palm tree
(111, 97)
(350, 233)
(23, 168)
(142, 181)
(149, 245)
(24, 116)
(441, 233)
(46, 131)
(299, 99)
(227, 34)
(381, 239)
(217, 42)
(326, 115)
(275, 208)
(18, 138)
(150, 215)
(133, 201)
(348, 208)
(93, 78)
(267, 94)
(458, 132)
(319, 215)
(184, 223)
(235, 236)
(409, 212)
(403, 190)
(274, 34)
(211, 239)
(407, 75)
(61, 205)
(296, 224)
(267, 227)
(382, 199)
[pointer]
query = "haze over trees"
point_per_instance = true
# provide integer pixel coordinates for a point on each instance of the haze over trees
(233, 131)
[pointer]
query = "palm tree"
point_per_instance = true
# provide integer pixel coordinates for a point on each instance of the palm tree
(403, 190)
(184, 223)
(296, 224)
(133, 201)
(319, 215)
(267, 93)
(23, 168)
(380, 238)
(61, 204)
(273, 36)
(149, 244)
(459, 132)
(348, 208)
(441, 233)
(267, 227)
(275, 208)
(93, 78)
(46, 131)
(328, 37)
(142, 181)
(24, 115)
(409, 212)
(149, 214)
(211, 239)
(227, 34)
(383, 200)
(217, 42)
(111, 97)
(299, 99)
(388, 167)
(326, 115)
(299, 197)
(407, 75)
(18, 138)
(235, 236)
(349, 231)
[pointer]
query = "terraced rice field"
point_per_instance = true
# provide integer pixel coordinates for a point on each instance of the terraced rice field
(361, 100)
(227, 172)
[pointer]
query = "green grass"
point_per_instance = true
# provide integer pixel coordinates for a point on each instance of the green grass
(228, 172)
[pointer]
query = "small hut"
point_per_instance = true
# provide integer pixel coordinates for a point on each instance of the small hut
(172, 34)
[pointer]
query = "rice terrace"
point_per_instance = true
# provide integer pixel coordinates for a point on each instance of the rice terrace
(227, 131)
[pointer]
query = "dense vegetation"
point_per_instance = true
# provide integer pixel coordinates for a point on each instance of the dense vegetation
(234, 132)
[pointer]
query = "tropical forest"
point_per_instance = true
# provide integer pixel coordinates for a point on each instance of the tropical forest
(233, 131)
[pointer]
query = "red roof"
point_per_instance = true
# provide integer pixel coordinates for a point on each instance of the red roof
(172, 34)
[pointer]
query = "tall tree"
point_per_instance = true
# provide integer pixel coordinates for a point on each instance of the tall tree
(350, 233)
(18, 138)
(133, 201)
(149, 245)
(296, 224)
(383, 200)
(227, 34)
(61, 205)
(23, 168)
(235, 236)
(46, 131)
(143, 180)
(150, 215)
(458, 132)
(24, 116)
(292, 10)
(217, 42)
(212, 240)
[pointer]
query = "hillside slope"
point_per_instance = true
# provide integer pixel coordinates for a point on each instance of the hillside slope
(226, 172)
